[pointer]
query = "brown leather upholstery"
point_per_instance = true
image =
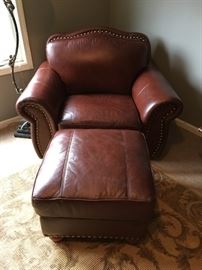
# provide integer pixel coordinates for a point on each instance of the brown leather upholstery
(100, 111)
(157, 104)
(99, 62)
(72, 198)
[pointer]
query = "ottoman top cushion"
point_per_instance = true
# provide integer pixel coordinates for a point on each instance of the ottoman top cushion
(93, 168)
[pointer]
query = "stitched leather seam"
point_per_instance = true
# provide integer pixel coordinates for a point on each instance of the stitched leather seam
(65, 164)
(136, 36)
(126, 166)
(141, 91)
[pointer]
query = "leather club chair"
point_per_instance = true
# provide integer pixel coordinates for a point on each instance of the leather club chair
(99, 78)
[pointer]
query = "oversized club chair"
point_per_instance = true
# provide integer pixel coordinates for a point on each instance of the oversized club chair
(99, 78)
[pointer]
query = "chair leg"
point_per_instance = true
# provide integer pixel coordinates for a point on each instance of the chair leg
(56, 239)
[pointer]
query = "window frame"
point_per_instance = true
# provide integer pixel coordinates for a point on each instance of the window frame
(27, 62)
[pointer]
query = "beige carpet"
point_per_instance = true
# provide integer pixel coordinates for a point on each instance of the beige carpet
(174, 239)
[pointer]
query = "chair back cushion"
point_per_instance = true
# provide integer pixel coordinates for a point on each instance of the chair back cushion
(98, 60)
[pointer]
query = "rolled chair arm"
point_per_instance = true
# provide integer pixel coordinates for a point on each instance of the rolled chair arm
(40, 104)
(157, 104)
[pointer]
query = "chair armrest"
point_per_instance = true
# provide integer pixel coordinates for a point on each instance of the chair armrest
(40, 104)
(157, 104)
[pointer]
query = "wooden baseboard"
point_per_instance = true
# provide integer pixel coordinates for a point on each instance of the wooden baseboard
(8, 122)
(185, 125)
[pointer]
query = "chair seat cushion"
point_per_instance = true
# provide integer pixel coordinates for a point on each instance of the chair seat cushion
(100, 111)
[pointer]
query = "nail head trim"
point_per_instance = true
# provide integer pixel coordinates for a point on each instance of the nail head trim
(98, 237)
(36, 131)
(135, 36)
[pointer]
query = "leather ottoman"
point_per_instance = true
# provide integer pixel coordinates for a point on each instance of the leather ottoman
(95, 183)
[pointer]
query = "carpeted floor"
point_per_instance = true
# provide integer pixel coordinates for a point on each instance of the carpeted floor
(174, 239)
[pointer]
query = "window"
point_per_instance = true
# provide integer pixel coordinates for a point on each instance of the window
(8, 39)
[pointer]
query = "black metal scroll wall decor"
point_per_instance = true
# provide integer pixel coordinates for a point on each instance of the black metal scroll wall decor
(23, 131)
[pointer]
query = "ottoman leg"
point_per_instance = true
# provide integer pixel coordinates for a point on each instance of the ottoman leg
(56, 239)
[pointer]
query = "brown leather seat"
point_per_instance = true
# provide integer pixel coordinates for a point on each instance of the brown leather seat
(100, 111)
(99, 78)
(95, 183)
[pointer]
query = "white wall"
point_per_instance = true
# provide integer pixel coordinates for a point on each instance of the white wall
(175, 31)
